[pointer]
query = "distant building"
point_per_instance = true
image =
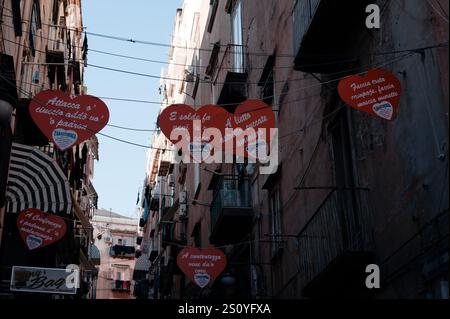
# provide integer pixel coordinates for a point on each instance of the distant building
(115, 239)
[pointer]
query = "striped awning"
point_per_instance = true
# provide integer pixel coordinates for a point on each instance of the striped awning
(36, 181)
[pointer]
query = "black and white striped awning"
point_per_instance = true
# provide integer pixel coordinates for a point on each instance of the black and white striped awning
(36, 181)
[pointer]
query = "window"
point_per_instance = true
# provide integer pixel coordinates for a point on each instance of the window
(17, 17)
(212, 65)
(197, 234)
(268, 90)
(275, 220)
(214, 4)
(236, 37)
(34, 26)
(124, 242)
(55, 12)
(196, 176)
(195, 32)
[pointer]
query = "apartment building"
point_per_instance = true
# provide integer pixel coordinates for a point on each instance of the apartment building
(42, 47)
(350, 190)
(116, 240)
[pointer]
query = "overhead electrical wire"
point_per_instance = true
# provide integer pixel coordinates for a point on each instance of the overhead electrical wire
(249, 83)
(168, 149)
(284, 103)
(153, 43)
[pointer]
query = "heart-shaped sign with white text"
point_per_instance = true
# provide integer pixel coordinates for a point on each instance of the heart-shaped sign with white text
(39, 229)
(240, 133)
(68, 121)
(202, 266)
(377, 93)
(252, 122)
(177, 120)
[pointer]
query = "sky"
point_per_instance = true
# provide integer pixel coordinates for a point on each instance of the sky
(119, 174)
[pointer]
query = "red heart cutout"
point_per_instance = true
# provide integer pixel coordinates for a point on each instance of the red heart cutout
(202, 266)
(251, 114)
(377, 93)
(68, 121)
(39, 229)
(182, 116)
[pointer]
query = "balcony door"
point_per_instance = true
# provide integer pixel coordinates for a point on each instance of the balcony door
(236, 37)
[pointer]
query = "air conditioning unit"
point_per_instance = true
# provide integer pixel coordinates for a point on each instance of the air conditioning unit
(183, 211)
(171, 180)
(183, 198)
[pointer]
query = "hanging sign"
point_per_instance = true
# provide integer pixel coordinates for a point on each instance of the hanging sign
(250, 124)
(178, 117)
(68, 121)
(377, 93)
(251, 114)
(39, 229)
(202, 266)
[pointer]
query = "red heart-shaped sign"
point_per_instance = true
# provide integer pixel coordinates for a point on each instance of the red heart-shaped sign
(177, 118)
(254, 114)
(182, 116)
(202, 266)
(251, 114)
(39, 229)
(377, 93)
(68, 121)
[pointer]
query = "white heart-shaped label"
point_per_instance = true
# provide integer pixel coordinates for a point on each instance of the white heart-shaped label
(202, 280)
(33, 242)
(384, 110)
(64, 139)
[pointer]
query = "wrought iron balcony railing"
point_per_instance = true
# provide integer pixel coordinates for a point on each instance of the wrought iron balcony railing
(340, 225)
(303, 14)
(232, 193)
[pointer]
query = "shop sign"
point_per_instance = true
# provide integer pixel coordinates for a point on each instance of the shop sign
(44, 280)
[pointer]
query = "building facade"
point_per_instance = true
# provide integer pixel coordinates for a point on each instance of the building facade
(116, 240)
(350, 190)
(42, 47)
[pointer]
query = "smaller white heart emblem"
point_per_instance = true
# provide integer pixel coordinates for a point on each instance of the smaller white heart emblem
(383, 110)
(202, 280)
(64, 139)
(33, 242)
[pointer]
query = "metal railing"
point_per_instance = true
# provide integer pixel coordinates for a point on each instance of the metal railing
(233, 59)
(341, 224)
(303, 13)
(231, 192)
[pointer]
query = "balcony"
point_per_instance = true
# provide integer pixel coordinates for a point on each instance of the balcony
(119, 251)
(121, 285)
(231, 210)
(231, 77)
(335, 246)
(324, 32)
